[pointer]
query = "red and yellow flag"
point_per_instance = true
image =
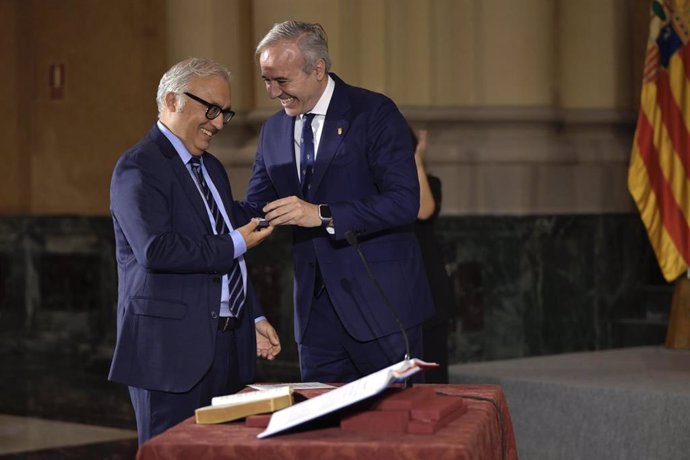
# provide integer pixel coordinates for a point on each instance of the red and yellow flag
(659, 174)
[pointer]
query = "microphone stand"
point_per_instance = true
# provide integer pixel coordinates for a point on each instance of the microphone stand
(352, 240)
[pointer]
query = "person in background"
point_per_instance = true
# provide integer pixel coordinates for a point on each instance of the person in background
(337, 164)
(189, 326)
(436, 328)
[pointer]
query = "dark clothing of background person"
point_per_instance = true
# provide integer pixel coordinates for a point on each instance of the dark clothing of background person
(435, 329)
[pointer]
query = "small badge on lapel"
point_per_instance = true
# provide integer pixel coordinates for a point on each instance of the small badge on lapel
(340, 131)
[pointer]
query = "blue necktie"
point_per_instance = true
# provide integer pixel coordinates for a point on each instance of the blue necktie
(236, 289)
(307, 151)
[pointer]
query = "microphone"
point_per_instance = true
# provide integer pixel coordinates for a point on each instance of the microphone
(352, 241)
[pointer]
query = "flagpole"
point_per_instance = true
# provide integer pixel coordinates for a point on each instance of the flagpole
(678, 331)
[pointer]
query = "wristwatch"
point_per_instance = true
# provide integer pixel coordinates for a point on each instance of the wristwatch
(326, 218)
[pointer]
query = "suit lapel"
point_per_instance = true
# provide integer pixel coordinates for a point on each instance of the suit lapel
(224, 190)
(334, 131)
(280, 157)
(288, 132)
(190, 189)
(182, 175)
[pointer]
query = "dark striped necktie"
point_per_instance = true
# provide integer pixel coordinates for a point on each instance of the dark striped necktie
(236, 299)
(307, 153)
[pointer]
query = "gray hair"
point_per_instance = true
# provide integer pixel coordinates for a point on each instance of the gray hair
(177, 78)
(310, 38)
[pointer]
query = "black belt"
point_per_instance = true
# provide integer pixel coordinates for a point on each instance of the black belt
(228, 323)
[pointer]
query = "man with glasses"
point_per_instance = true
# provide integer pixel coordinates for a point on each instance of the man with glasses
(212, 110)
(189, 326)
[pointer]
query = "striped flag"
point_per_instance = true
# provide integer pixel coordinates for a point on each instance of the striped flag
(659, 173)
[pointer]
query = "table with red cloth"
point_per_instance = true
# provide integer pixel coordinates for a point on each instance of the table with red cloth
(483, 431)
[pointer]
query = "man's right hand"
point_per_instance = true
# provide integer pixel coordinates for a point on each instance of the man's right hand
(252, 236)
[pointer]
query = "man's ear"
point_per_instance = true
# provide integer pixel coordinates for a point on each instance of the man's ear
(171, 102)
(320, 69)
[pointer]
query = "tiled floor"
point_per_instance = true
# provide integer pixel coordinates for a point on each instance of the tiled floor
(58, 404)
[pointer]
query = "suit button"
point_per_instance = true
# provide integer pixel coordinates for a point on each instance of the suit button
(214, 315)
(216, 279)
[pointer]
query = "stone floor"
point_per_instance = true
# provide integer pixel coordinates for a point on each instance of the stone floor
(57, 405)
(56, 401)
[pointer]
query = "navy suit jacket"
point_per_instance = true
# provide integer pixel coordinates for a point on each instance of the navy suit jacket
(365, 172)
(170, 266)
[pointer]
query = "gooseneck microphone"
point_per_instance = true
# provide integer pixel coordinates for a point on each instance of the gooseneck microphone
(352, 241)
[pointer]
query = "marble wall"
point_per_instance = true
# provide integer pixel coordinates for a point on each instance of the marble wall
(535, 285)
(58, 284)
(524, 285)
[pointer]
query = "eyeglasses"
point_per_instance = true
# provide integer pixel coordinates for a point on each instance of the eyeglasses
(212, 110)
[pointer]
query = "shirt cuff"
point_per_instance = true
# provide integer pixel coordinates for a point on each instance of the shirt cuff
(238, 242)
(259, 318)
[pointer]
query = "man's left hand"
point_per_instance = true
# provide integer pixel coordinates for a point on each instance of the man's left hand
(292, 211)
(267, 341)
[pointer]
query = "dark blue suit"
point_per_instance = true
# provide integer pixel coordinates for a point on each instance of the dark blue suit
(170, 266)
(365, 171)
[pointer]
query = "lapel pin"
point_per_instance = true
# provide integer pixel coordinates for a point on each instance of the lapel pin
(340, 131)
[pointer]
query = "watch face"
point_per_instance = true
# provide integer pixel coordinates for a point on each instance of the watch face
(324, 212)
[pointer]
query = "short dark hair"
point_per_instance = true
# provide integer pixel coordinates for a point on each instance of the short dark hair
(310, 37)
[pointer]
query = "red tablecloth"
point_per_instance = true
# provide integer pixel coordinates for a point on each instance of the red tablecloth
(485, 431)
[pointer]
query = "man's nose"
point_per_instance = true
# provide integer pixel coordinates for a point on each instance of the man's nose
(273, 89)
(218, 122)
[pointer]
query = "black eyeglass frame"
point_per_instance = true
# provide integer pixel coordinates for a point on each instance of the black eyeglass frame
(213, 110)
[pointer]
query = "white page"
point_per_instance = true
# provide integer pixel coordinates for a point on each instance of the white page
(294, 386)
(252, 396)
(341, 397)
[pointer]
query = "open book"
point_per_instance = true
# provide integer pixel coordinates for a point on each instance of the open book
(343, 396)
(240, 405)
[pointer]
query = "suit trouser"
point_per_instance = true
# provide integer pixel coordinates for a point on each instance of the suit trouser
(156, 411)
(329, 354)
